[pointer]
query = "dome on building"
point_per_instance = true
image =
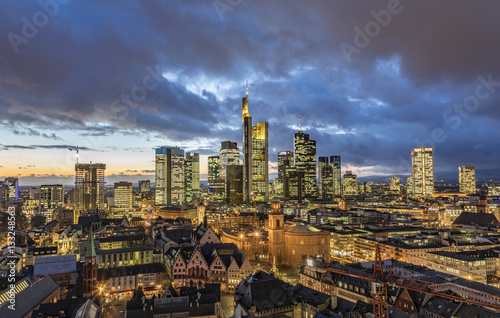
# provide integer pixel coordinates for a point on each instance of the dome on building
(302, 228)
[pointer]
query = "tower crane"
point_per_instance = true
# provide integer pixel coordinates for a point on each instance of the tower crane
(380, 281)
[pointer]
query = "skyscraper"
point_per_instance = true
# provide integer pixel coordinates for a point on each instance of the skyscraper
(89, 186)
(255, 157)
(282, 157)
(191, 177)
(169, 176)
(467, 176)
(395, 185)
(409, 186)
(123, 199)
(336, 175)
(423, 171)
(305, 161)
(234, 183)
(216, 186)
(51, 197)
(325, 173)
(13, 185)
(229, 154)
(350, 184)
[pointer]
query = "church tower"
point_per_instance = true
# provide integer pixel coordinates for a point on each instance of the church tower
(90, 268)
(276, 230)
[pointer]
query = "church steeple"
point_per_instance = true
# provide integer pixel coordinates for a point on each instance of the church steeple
(90, 245)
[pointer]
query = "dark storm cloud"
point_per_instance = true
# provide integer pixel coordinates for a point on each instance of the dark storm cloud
(96, 68)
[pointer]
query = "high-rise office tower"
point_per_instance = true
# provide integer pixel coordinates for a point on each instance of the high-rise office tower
(51, 197)
(216, 186)
(169, 176)
(409, 186)
(350, 183)
(395, 185)
(423, 171)
(234, 183)
(4, 192)
(144, 186)
(293, 182)
(12, 184)
(123, 196)
(467, 176)
(282, 156)
(325, 173)
(305, 161)
(191, 176)
(229, 154)
(336, 175)
(89, 186)
(255, 157)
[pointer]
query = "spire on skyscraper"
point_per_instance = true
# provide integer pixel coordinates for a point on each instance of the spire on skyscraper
(299, 123)
(247, 90)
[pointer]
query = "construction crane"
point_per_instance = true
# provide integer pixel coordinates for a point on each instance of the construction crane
(77, 152)
(380, 282)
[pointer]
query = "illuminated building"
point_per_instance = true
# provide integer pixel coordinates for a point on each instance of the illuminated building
(89, 186)
(234, 183)
(51, 197)
(291, 243)
(305, 161)
(336, 175)
(350, 183)
(13, 185)
(255, 157)
(283, 156)
(90, 268)
(467, 176)
(409, 185)
(229, 154)
(216, 186)
(395, 185)
(423, 171)
(191, 176)
(293, 183)
(325, 179)
(144, 186)
(169, 176)
(123, 196)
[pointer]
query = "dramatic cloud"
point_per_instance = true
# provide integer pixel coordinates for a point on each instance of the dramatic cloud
(369, 79)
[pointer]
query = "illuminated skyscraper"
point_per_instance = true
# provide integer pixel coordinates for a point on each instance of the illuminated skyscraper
(89, 186)
(255, 157)
(216, 186)
(395, 185)
(191, 176)
(12, 184)
(423, 171)
(350, 183)
(282, 157)
(305, 161)
(229, 154)
(409, 186)
(325, 173)
(123, 199)
(467, 176)
(234, 183)
(51, 197)
(336, 175)
(169, 176)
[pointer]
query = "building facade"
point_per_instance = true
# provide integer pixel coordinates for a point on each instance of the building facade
(422, 160)
(467, 179)
(169, 176)
(89, 186)
(305, 161)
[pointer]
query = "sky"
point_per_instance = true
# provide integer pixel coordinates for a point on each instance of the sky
(370, 80)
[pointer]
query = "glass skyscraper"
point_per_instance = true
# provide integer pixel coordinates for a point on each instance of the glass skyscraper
(305, 161)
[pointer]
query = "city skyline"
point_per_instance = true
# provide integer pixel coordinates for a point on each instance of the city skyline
(371, 104)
